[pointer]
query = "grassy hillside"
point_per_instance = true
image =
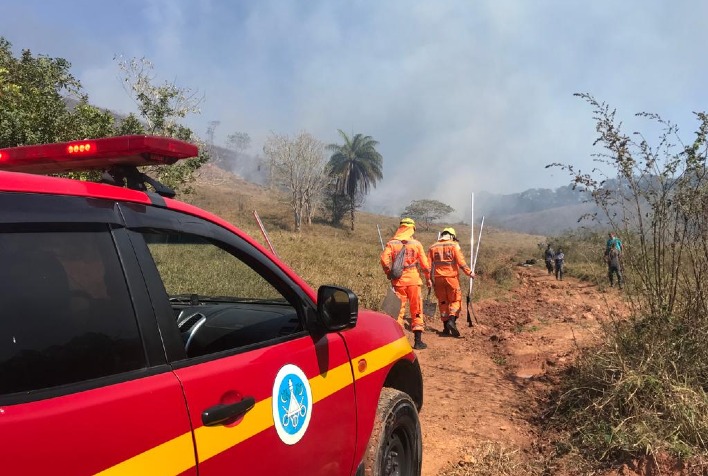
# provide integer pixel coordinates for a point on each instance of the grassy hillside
(552, 221)
(323, 254)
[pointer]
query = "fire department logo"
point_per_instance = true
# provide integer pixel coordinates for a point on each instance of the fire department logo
(292, 404)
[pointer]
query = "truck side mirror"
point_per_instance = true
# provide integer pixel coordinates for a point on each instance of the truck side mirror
(337, 307)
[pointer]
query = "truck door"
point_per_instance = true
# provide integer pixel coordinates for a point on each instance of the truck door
(264, 395)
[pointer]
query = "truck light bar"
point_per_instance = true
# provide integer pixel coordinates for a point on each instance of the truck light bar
(95, 154)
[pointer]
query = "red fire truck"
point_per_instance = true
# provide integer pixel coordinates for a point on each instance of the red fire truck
(143, 335)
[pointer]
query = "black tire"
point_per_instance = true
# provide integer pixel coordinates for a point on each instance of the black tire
(396, 444)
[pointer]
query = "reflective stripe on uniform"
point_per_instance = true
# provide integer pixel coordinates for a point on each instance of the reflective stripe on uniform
(447, 248)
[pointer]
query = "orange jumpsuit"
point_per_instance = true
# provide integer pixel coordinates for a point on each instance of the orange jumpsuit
(446, 257)
(407, 287)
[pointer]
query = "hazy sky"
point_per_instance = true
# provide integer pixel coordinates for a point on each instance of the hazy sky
(463, 95)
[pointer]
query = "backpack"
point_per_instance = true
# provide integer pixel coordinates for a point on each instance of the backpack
(614, 252)
(397, 266)
(613, 258)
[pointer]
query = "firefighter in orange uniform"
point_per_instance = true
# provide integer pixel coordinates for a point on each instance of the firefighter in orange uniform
(407, 287)
(446, 257)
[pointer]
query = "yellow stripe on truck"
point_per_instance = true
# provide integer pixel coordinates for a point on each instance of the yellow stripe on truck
(336, 379)
(171, 457)
(212, 440)
(381, 357)
(176, 456)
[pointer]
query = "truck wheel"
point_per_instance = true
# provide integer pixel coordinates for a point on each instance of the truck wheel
(396, 445)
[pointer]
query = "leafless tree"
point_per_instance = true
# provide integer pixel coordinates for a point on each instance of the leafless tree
(298, 165)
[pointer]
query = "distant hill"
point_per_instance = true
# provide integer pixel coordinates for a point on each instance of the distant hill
(71, 103)
(551, 221)
(531, 200)
(537, 211)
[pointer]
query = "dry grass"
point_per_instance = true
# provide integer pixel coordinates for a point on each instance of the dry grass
(491, 458)
(323, 254)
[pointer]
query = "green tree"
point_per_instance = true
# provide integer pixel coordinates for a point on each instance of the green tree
(427, 211)
(34, 91)
(336, 203)
(161, 107)
(130, 125)
(42, 102)
(357, 166)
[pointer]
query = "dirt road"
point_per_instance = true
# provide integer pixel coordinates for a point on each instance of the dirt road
(484, 386)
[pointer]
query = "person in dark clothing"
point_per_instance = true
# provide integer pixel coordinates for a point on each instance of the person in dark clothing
(614, 267)
(560, 264)
(548, 257)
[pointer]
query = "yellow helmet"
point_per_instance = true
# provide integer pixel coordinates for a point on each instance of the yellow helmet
(407, 222)
(449, 230)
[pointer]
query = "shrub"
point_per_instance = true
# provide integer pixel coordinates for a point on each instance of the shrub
(644, 390)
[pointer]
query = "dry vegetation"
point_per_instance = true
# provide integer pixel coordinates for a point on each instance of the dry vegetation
(493, 459)
(323, 254)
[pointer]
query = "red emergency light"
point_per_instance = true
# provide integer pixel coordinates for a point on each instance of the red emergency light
(82, 148)
(95, 154)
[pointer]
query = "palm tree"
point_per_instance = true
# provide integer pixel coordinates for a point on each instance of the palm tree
(356, 166)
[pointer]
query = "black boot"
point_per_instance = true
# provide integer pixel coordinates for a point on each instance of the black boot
(453, 326)
(446, 328)
(418, 344)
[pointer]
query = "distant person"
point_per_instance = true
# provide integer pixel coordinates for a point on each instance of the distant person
(613, 242)
(446, 259)
(548, 256)
(614, 266)
(407, 287)
(559, 260)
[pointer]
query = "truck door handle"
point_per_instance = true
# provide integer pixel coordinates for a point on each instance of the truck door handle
(223, 414)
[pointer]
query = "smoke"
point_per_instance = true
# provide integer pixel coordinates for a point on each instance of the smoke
(462, 96)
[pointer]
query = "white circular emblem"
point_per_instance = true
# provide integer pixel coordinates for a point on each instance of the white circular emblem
(292, 404)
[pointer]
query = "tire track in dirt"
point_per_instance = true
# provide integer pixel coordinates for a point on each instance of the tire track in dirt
(488, 384)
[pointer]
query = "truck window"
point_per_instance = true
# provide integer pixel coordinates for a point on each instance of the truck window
(220, 303)
(67, 315)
